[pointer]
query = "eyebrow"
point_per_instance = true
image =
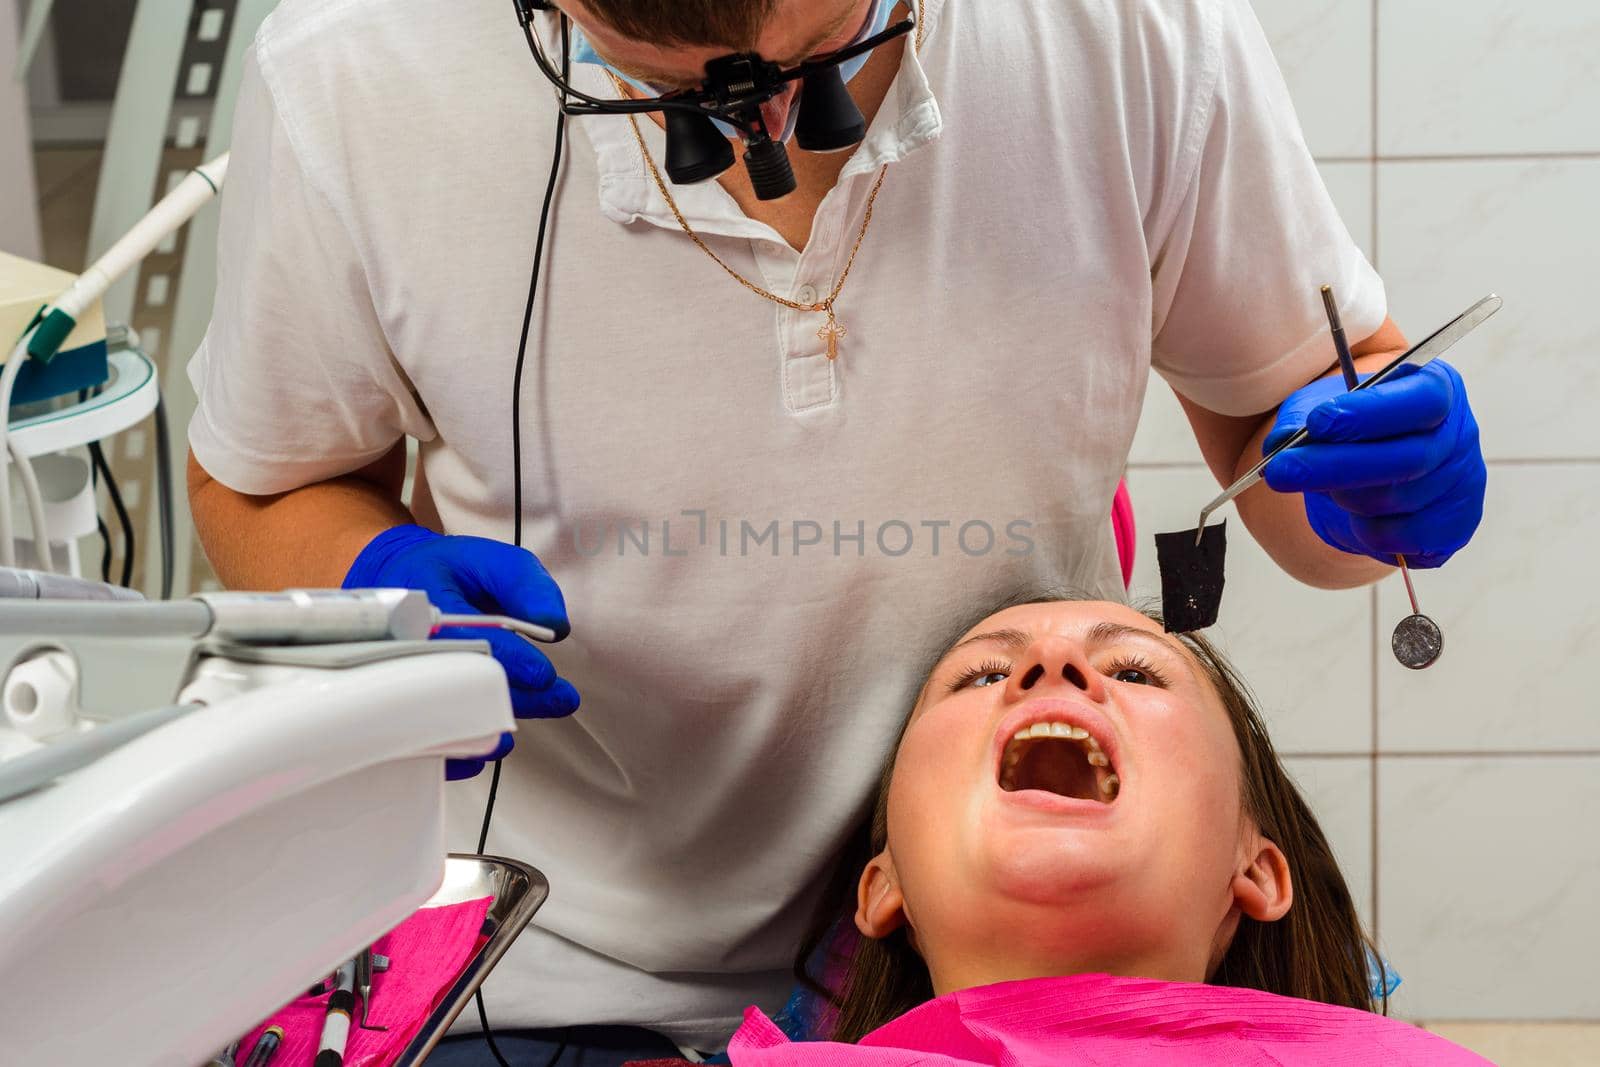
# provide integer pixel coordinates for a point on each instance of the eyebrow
(833, 27)
(1110, 633)
(1008, 638)
(675, 81)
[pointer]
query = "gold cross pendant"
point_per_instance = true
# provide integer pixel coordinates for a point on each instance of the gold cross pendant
(829, 334)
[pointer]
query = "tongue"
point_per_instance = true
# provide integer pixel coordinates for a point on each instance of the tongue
(1059, 767)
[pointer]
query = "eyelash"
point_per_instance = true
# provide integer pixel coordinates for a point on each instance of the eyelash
(972, 674)
(1124, 662)
(1132, 662)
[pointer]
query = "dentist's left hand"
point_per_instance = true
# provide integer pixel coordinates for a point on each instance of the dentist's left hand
(477, 576)
(1393, 470)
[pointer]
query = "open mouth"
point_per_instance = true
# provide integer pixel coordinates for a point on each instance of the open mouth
(1059, 758)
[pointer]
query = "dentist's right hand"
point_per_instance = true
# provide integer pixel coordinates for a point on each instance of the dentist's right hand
(477, 576)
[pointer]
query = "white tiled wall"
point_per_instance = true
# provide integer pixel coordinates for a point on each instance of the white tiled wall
(1462, 143)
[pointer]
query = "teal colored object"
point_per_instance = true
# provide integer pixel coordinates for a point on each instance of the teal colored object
(78, 368)
(1381, 977)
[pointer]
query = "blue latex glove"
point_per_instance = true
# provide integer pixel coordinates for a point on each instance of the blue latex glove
(477, 576)
(1392, 470)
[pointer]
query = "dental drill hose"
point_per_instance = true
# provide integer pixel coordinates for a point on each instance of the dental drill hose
(57, 320)
(25, 473)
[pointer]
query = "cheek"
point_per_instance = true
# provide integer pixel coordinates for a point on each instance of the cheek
(1191, 777)
(937, 781)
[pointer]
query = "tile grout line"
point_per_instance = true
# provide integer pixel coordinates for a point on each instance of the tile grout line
(1373, 757)
(1455, 754)
(1556, 156)
(1520, 461)
(1373, 765)
(1373, 145)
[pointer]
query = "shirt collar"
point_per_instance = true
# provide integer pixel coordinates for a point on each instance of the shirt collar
(908, 120)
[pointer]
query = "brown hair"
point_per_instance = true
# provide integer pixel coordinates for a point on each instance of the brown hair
(731, 24)
(1317, 951)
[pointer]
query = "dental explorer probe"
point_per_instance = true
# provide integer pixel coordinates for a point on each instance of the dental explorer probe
(1417, 641)
(1430, 349)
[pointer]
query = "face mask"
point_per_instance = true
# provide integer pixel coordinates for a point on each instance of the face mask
(583, 52)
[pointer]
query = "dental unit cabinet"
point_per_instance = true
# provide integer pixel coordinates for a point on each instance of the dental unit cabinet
(193, 828)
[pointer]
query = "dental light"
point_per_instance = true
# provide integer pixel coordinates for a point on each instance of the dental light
(735, 87)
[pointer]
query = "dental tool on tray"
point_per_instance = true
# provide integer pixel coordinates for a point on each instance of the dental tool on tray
(367, 963)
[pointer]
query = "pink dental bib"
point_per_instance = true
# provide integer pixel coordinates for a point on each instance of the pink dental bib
(1094, 1020)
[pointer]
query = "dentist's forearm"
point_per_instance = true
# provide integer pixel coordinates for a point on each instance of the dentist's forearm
(304, 538)
(1278, 520)
(1278, 523)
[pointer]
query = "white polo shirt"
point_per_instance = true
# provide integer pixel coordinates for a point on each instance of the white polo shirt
(759, 548)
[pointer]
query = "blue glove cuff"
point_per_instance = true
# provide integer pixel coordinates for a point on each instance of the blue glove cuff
(368, 566)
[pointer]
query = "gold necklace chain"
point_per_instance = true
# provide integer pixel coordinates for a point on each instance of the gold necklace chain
(831, 331)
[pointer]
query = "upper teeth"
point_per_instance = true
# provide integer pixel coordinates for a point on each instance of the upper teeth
(1107, 782)
(1052, 729)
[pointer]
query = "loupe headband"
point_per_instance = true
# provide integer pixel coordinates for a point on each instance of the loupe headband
(735, 83)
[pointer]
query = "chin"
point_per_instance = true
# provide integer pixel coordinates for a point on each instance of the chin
(1051, 868)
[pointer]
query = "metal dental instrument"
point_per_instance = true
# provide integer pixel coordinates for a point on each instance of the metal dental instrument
(336, 1023)
(225, 1058)
(1417, 641)
(266, 1047)
(364, 968)
(1341, 345)
(1426, 352)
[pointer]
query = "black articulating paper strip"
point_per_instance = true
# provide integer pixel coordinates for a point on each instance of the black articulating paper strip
(1191, 577)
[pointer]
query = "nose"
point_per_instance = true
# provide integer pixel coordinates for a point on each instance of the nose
(775, 112)
(1054, 664)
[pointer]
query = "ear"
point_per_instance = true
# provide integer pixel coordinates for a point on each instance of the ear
(1262, 888)
(880, 909)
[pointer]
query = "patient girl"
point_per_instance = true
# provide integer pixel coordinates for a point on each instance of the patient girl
(1087, 852)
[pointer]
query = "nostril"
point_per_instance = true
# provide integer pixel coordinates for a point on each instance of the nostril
(1072, 674)
(1032, 677)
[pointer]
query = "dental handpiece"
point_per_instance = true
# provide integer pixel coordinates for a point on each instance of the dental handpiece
(293, 617)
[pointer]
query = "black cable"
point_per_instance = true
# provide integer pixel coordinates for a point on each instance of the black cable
(105, 547)
(516, 453)
(99, 458)
(164, 496)
(99, 523)
(556, 1055)
(483, 1020)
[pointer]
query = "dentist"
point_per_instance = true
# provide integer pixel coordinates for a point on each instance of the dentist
(764, 447)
